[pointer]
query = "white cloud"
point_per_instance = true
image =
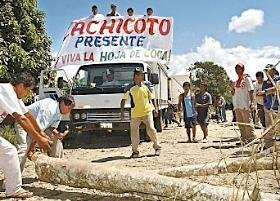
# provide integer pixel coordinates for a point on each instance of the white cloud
(212, 50)
(248, 21)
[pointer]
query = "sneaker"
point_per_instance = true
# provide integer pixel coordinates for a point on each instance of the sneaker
(195, 140)
(180, 125)
(135, 155)
(204, 140)
(157, 152)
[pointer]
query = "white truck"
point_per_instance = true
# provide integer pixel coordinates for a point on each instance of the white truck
(97, 103)
(176, 86)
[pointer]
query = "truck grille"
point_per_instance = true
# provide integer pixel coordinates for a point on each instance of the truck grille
(93, 116)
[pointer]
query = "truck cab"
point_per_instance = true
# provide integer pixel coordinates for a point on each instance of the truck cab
(98, 89)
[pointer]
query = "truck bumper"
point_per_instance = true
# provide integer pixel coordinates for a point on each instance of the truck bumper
(100, 126)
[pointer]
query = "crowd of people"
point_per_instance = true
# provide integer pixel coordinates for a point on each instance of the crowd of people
(114, 13)
(254, 104)
(256, 100)
(38, 122)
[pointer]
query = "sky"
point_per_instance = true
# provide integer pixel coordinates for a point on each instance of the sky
(225, 32)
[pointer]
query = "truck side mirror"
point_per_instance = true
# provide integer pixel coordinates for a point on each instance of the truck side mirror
(60, 82)
(154, 78)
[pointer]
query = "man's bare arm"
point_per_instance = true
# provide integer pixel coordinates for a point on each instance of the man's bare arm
(25, 123)
(179, 103)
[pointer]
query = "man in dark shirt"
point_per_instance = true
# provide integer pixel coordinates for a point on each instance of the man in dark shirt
(202, 102)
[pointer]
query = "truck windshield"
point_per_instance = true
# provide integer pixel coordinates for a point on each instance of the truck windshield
(104, 78)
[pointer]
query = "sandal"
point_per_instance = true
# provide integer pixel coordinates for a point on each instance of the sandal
(21, 193)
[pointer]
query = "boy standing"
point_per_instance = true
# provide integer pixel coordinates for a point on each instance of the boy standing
(187, 100)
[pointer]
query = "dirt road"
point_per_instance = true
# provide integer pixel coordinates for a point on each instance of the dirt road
(114, 150)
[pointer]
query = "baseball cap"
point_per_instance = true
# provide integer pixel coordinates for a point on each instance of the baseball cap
(113, 5)
(139, 70)
(94, 7)
(241, 65)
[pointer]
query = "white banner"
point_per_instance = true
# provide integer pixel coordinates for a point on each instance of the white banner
(117, 38)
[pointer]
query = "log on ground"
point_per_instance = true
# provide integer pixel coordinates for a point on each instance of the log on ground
(222, 167)
(81, 174)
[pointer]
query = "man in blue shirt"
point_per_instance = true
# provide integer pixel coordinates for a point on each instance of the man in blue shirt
(48, 113)
(271, 103)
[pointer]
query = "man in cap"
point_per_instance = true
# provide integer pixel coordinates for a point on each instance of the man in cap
(110, 78)
(140, 94)
(113, 11)
(243, 102)
(271, 103)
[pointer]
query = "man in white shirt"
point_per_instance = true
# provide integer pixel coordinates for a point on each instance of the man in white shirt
(48, 113)
(110, 79)
(113, 12)
(130, 12)
(11, 103)
(260, 116)
(243, 102)
(150, 12)
(95, 14)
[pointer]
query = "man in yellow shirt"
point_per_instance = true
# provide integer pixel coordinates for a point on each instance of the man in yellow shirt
(141, 96)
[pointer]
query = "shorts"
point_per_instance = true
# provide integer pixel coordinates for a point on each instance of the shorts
(203, 118)
(190, 122)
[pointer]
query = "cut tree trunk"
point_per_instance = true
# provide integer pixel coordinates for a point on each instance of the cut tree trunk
(86, 175)
(241, 166)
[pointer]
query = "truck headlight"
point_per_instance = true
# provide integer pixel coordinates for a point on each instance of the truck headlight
(76, 116)
(83, 116)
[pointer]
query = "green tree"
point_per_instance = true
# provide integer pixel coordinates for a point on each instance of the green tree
(24, 44)
(214, 75)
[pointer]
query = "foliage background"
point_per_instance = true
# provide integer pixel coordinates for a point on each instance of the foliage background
(8, 133)
(24, 44)
(213, 75)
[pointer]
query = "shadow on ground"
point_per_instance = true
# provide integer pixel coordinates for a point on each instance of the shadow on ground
(102, 160)
(97, 140)
(100, 140)
(66, 195)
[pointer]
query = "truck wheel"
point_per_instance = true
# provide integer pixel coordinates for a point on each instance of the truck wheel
(158, 122)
